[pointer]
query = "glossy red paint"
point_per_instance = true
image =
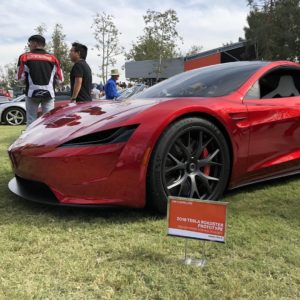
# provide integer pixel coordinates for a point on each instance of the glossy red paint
(57, 105)
(263, 137)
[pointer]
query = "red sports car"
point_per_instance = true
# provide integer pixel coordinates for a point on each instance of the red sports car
(193, 135)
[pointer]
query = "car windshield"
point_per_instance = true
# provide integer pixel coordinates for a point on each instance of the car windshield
(212, 81)
(131, 91)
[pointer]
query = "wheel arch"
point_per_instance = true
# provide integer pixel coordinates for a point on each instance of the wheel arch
(205, 116)
(213, 120)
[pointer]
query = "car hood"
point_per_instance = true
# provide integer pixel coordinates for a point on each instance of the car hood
(74, 120)
(4, 101)
(5, 105)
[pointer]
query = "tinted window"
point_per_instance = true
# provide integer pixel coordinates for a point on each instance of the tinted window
(212, 81)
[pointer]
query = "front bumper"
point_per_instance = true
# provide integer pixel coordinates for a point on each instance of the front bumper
(40, 193)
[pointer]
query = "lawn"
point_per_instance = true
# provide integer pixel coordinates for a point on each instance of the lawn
(59, 253)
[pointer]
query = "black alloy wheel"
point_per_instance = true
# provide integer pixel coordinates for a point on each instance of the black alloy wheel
(191, 160)
(14, 116)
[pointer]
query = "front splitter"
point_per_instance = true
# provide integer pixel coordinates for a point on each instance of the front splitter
(40, 193)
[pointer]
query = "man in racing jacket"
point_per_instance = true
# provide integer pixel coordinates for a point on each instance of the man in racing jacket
(40, 71)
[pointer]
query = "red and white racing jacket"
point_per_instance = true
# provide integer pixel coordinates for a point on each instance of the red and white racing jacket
(41, 71)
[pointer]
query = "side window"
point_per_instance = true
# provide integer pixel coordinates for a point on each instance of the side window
(278, 83)
(254, 92)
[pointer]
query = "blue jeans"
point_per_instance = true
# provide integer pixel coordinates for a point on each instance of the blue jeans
(32, 105)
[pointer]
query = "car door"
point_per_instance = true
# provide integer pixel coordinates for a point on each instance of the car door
(273, 105)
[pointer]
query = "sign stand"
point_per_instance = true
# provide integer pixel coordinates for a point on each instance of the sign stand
(196, 219)
(192, 261)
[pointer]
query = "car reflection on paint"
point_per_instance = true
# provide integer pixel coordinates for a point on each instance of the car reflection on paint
(14, 112)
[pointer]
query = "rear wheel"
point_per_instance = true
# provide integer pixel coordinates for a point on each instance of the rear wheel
(14, 116)
(191, 159)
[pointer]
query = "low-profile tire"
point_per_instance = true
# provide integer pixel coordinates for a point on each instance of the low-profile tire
(14, 116)
(191, 160)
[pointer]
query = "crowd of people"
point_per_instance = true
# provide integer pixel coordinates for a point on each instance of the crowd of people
(41, 71)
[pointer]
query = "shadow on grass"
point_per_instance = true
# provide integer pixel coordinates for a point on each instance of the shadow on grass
(152, 256)
(18, 208)
(265, 184)
(261, 199)
(276, 198)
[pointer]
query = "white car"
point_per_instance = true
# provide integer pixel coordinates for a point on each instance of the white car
(14, 112)
(4, 99)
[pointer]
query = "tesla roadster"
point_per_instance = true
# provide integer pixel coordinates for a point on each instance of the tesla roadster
(194, 135)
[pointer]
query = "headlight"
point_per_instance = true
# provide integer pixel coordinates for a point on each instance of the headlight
(110, 136)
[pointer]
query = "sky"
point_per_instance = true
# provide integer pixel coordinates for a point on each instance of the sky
(208, 23)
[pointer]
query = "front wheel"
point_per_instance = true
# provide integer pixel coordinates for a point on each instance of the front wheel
(191, 160)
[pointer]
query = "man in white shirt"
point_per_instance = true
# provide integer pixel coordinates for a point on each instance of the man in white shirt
(95, 92)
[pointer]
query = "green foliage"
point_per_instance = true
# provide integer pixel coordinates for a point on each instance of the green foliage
(159, 39)
(274, 28)
(60, 49)
(147, 48)
(107, 36)
(57, 46)
(41, 29)
(75, 253)
(8, 75)
(3, 79)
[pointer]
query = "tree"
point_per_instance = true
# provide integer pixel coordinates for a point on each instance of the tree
(41, 29)
(159, 39)
(107, 42)
(3, 79)
(57, 46)
(60, 49)
(274, 29)
(8, 75)
(11, 73)
(195, 49)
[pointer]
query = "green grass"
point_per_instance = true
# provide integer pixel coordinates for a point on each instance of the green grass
(56, 253)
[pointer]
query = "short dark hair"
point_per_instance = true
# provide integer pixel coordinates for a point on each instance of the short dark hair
(82, 49)
(40, 40)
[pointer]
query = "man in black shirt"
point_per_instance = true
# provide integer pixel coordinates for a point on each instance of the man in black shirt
(81, 75)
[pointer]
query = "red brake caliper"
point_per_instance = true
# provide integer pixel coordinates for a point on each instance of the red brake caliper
(205, 154)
